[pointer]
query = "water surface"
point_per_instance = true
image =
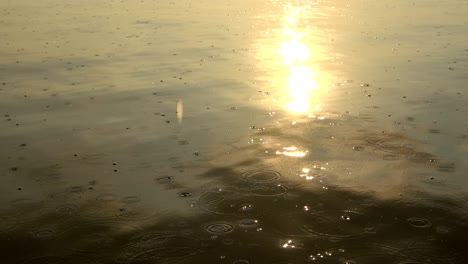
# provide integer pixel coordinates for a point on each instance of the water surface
(233, 131)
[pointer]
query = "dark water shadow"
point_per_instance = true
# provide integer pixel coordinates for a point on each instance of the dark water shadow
(251, 216)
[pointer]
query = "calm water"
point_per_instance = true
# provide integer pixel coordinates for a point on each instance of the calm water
(234, 131)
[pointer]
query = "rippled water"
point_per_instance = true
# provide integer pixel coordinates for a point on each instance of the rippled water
(260, 131)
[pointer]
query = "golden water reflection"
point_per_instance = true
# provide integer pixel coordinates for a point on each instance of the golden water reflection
(292, 151)
(295, 55)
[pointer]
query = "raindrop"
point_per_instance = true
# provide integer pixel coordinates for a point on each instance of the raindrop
(345, 217)
(135, 213)
(247, 207)
(219, 228)
(44, 234)
(248, 223)
(390, 157)
(442, 230)
(107, 197)
(260, 176)
(419, 222)
(131, 199)
(185, 194)
(240, 261)
(165, 179)
(67, 209)
(76, 189)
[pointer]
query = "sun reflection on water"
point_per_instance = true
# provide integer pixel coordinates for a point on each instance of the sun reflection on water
(295, 56)
(289, 55)
(292, 152)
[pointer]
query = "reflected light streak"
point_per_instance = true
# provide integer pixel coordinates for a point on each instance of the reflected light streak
(292, 152)
(301, 80)
(289, 55)
(294, 50)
